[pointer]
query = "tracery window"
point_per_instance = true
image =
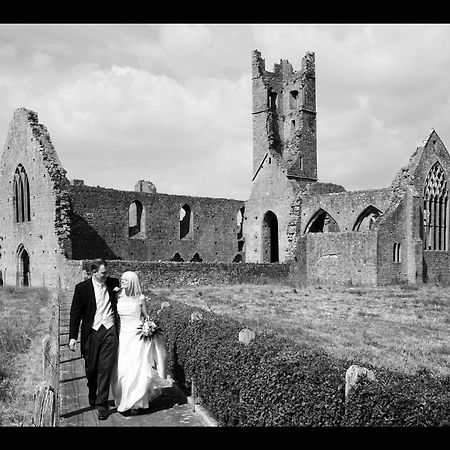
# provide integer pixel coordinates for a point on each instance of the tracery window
(21, 196)
(435, 210)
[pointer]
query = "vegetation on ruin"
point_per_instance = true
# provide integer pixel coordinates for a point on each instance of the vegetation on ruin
(24, 316)
(401, 328)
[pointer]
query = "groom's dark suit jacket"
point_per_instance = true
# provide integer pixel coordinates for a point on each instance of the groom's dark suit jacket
(84, 306)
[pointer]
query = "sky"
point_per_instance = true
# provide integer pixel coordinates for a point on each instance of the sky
(172, 103)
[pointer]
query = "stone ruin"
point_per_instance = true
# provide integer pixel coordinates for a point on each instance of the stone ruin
(326, 234)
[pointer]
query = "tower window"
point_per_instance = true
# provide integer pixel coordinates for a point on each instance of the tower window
(293, 100)
(273, 100)
(396, 255)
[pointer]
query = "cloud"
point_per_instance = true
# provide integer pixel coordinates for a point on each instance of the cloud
(7, 50)
(172, 102)
(163, 130)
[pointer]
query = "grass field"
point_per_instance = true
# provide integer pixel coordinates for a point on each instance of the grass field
(24, 314)
(405, 329)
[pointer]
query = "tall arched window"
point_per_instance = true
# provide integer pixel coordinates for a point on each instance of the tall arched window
(186, 225)
(21, 196)
(435, 209)
(240, 222)
(269, 238)
(135, 220)
(23, 267)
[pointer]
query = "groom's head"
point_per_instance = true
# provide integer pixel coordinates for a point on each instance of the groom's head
(99, 270)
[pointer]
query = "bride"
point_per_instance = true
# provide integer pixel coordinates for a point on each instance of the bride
(135, 380)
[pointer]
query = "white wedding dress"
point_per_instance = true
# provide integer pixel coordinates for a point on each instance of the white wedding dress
(140, 369)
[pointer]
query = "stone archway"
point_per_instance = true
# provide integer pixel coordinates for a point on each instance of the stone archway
(269, 238)
(23, 267)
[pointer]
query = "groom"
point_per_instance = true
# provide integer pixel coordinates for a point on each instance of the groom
(94, 304)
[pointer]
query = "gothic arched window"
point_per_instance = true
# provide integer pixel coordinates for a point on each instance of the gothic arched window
(21, 196)
(435, 210)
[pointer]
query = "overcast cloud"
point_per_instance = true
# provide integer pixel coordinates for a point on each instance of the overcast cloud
(172, 103)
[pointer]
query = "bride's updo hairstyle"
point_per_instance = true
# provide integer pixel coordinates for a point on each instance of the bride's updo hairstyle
(134, 287)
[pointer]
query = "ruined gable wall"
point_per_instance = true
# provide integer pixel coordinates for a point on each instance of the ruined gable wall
(100, 226)
(45, 237)
(434, 266)
(436, 263)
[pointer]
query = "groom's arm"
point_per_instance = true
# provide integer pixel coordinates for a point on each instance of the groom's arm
(75, 317)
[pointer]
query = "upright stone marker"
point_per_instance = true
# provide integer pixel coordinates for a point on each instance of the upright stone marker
(246, 336)
(353, 374)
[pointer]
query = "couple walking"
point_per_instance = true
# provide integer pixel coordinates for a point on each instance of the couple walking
(115, 356)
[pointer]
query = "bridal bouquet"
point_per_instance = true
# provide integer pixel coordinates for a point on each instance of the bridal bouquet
(150, 328)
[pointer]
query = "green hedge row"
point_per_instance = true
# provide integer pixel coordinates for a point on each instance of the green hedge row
(399, 400)
(276, 382)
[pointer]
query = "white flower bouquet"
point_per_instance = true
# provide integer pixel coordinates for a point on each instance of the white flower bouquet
(149, 329)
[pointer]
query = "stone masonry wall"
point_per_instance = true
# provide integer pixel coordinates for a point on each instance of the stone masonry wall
(271, 191)
(173, 274)
(392, 230)
(342, 258)
(100, 226)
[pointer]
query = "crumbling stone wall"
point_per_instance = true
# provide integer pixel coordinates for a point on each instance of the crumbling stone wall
(100, 226)
(46, 236)
(342, 258)
(171, 274)
(344, 207)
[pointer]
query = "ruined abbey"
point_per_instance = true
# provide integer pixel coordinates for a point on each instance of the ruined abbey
(323, 233)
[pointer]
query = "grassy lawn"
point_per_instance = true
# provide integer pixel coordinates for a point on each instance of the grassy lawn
(24, 314)
(404, 329)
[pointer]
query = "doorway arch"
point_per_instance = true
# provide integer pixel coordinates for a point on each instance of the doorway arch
(269, 238)
(23, 267)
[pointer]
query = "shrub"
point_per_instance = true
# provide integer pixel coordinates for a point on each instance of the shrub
(270, 382)
(396, 399)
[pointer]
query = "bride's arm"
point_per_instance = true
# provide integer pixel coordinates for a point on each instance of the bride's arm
(144, 310)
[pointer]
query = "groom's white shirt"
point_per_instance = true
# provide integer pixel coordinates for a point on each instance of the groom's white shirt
(103, 314)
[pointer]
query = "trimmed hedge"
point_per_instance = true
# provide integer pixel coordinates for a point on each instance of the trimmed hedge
(271, 382)
(276, 382)
(399, 400)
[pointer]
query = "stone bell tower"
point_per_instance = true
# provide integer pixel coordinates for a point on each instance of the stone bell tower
(284, 117)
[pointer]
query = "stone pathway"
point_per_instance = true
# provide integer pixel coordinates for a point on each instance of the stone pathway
(169, 410)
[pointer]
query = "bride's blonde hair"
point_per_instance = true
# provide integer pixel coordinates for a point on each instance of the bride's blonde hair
(134, 287)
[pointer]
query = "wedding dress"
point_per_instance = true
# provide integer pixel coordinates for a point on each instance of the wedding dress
(140, 368)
